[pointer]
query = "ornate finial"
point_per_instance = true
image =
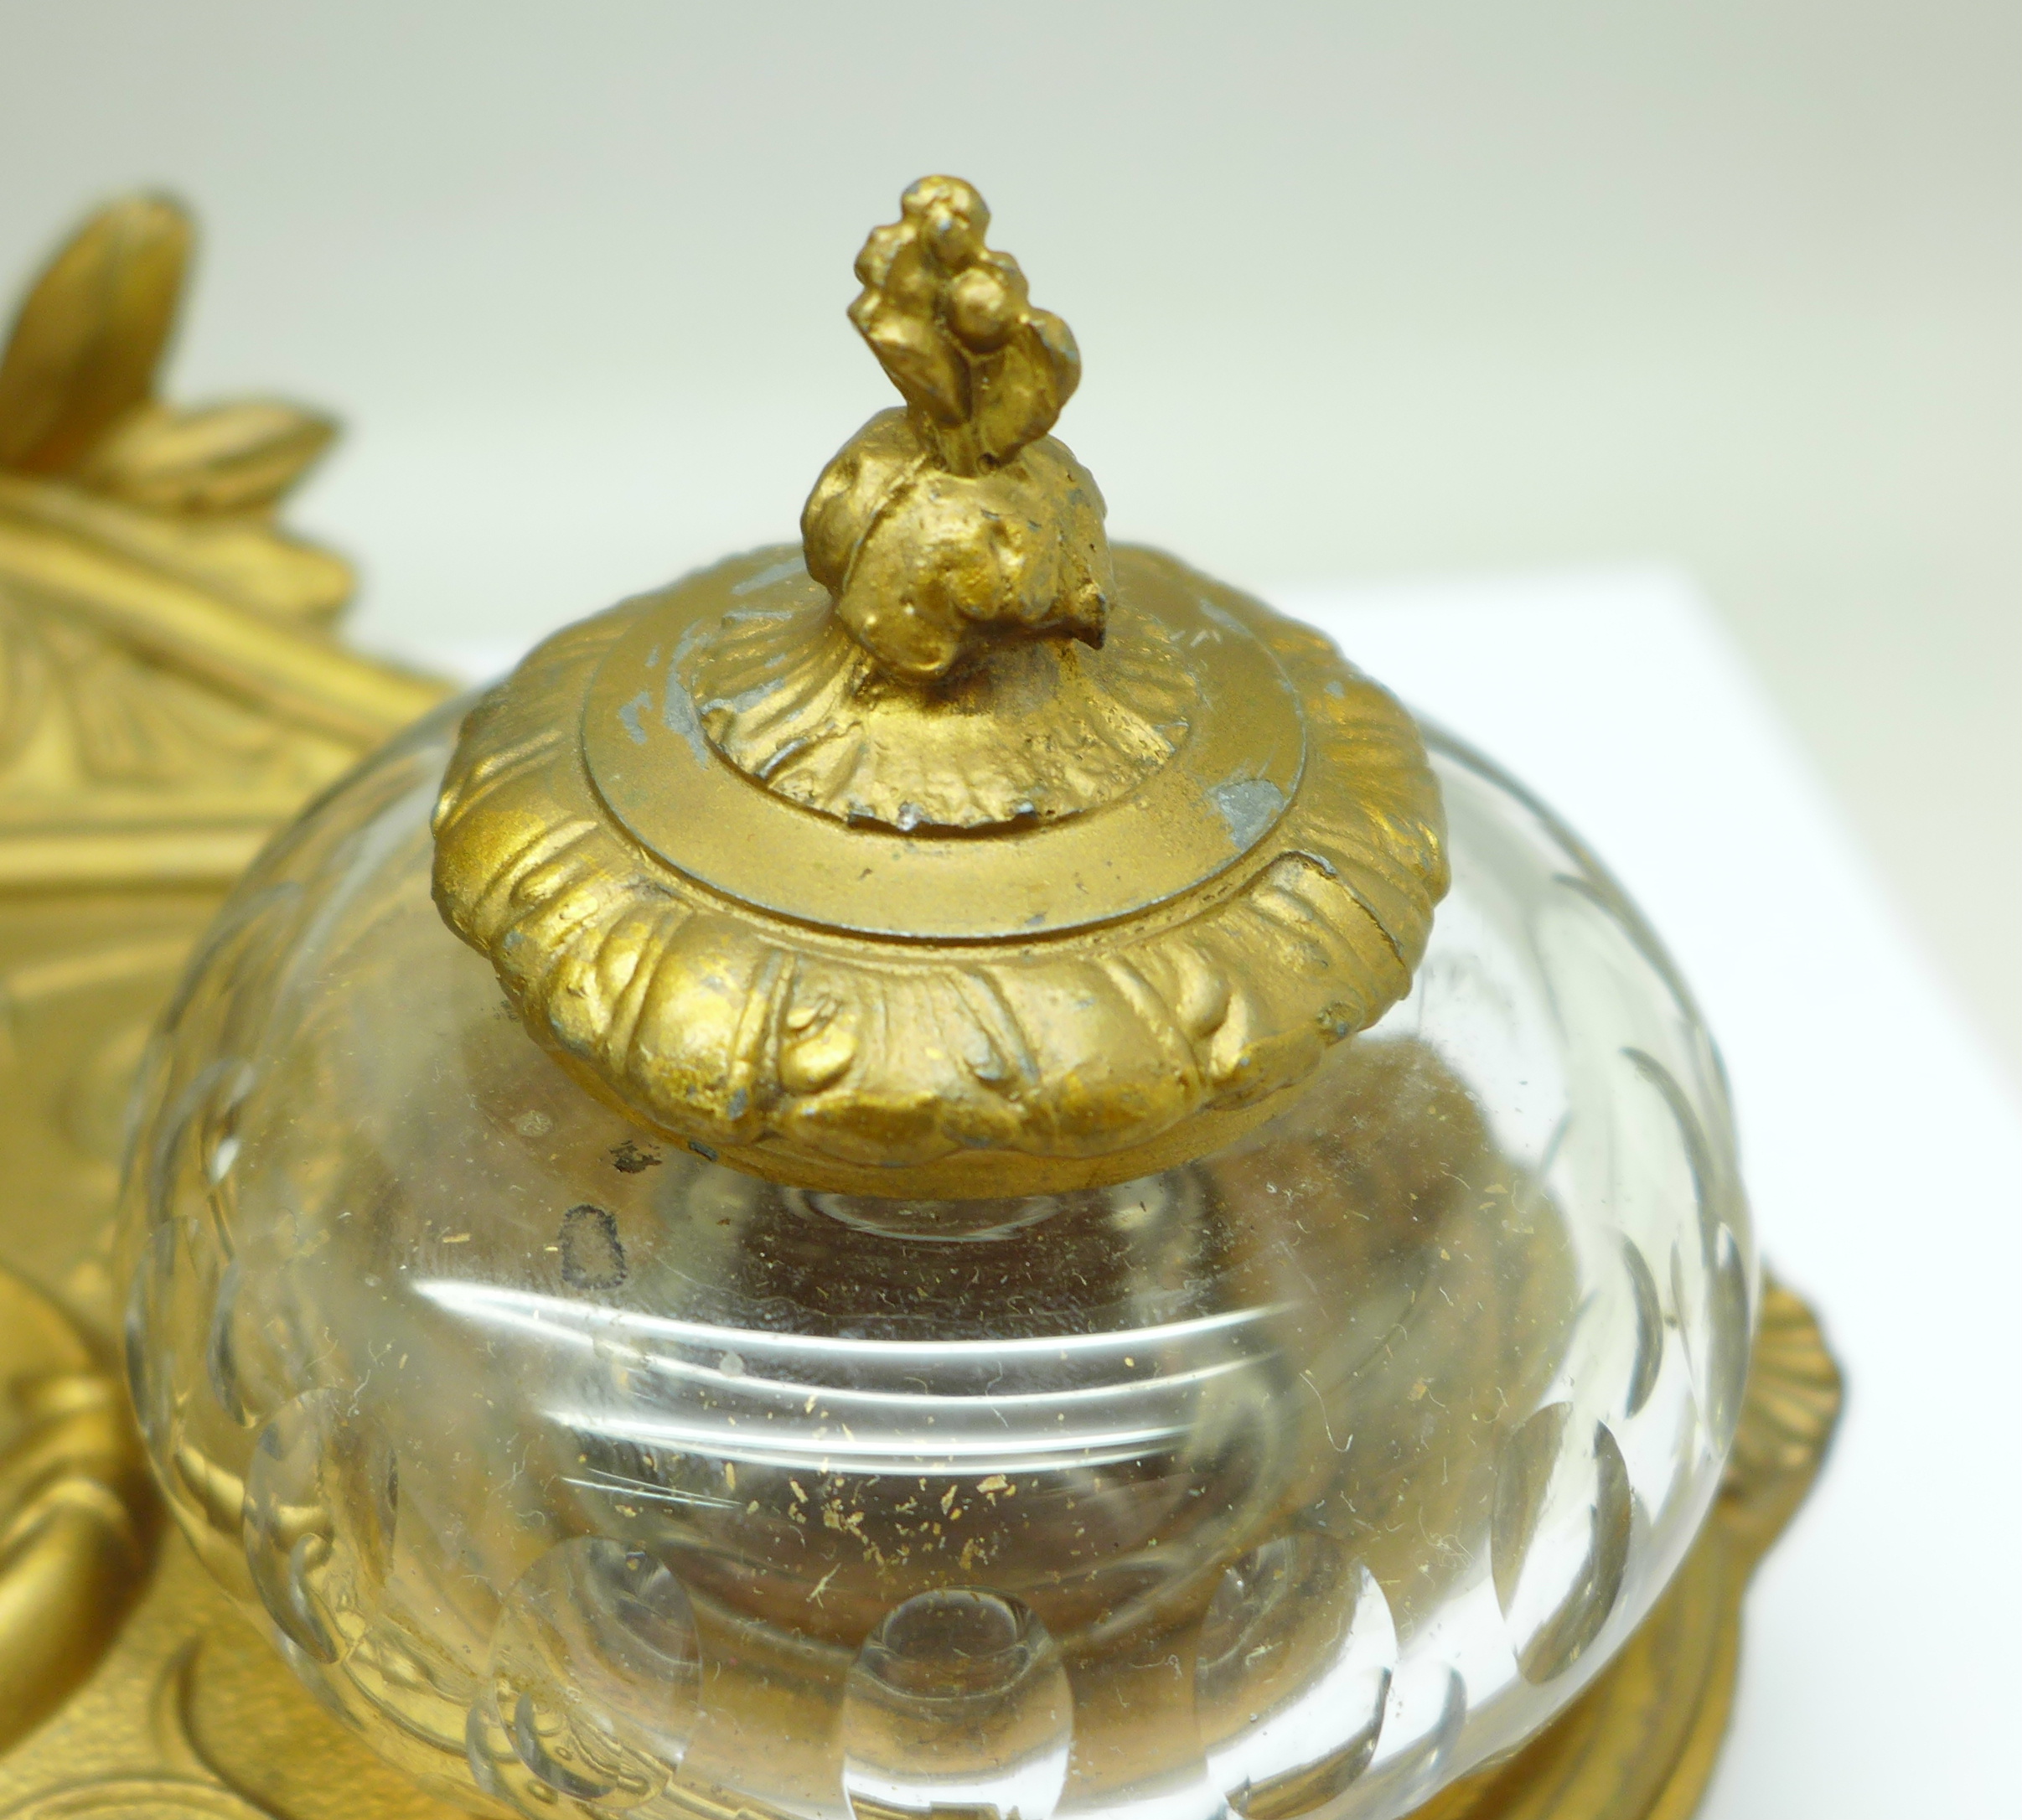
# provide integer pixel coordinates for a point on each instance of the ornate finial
(876, 866)
(958, 523)
(952, 325)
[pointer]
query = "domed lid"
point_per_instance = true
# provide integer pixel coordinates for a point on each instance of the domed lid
(951, 853)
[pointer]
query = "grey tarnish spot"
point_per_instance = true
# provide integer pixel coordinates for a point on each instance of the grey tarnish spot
(765, 578)
(629, 716)
(1226, 620)
(677, 706)
(1249, 805)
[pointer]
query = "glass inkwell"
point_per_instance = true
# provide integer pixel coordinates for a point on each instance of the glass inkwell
(952, 1172)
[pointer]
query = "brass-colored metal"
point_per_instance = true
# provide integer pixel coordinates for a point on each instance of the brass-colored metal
(192, 1716)
(169, 693)
(954, 855)
(958, 523)
(77, 1511)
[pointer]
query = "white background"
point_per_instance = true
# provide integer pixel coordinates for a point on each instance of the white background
(1363, 291)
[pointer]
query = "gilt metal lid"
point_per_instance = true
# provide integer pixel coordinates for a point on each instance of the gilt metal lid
(950, 853)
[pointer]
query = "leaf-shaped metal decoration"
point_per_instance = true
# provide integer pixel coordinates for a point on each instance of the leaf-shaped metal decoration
(958, 524)
(84, 347)
(952, 323)
(232, 458)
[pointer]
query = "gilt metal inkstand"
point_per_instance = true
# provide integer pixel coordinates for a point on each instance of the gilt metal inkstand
(944, 1171)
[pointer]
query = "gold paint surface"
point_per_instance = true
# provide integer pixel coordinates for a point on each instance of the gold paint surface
(1231, 775)
(170, 693)
(957, 525)
(963, 858)
(1005, 1064)
(785, 693)
(193, 1713)
(75, 1508)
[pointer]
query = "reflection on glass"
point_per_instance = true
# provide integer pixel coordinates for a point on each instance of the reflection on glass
(576, 1466)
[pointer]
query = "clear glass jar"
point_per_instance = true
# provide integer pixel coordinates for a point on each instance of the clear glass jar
(572, 1466)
